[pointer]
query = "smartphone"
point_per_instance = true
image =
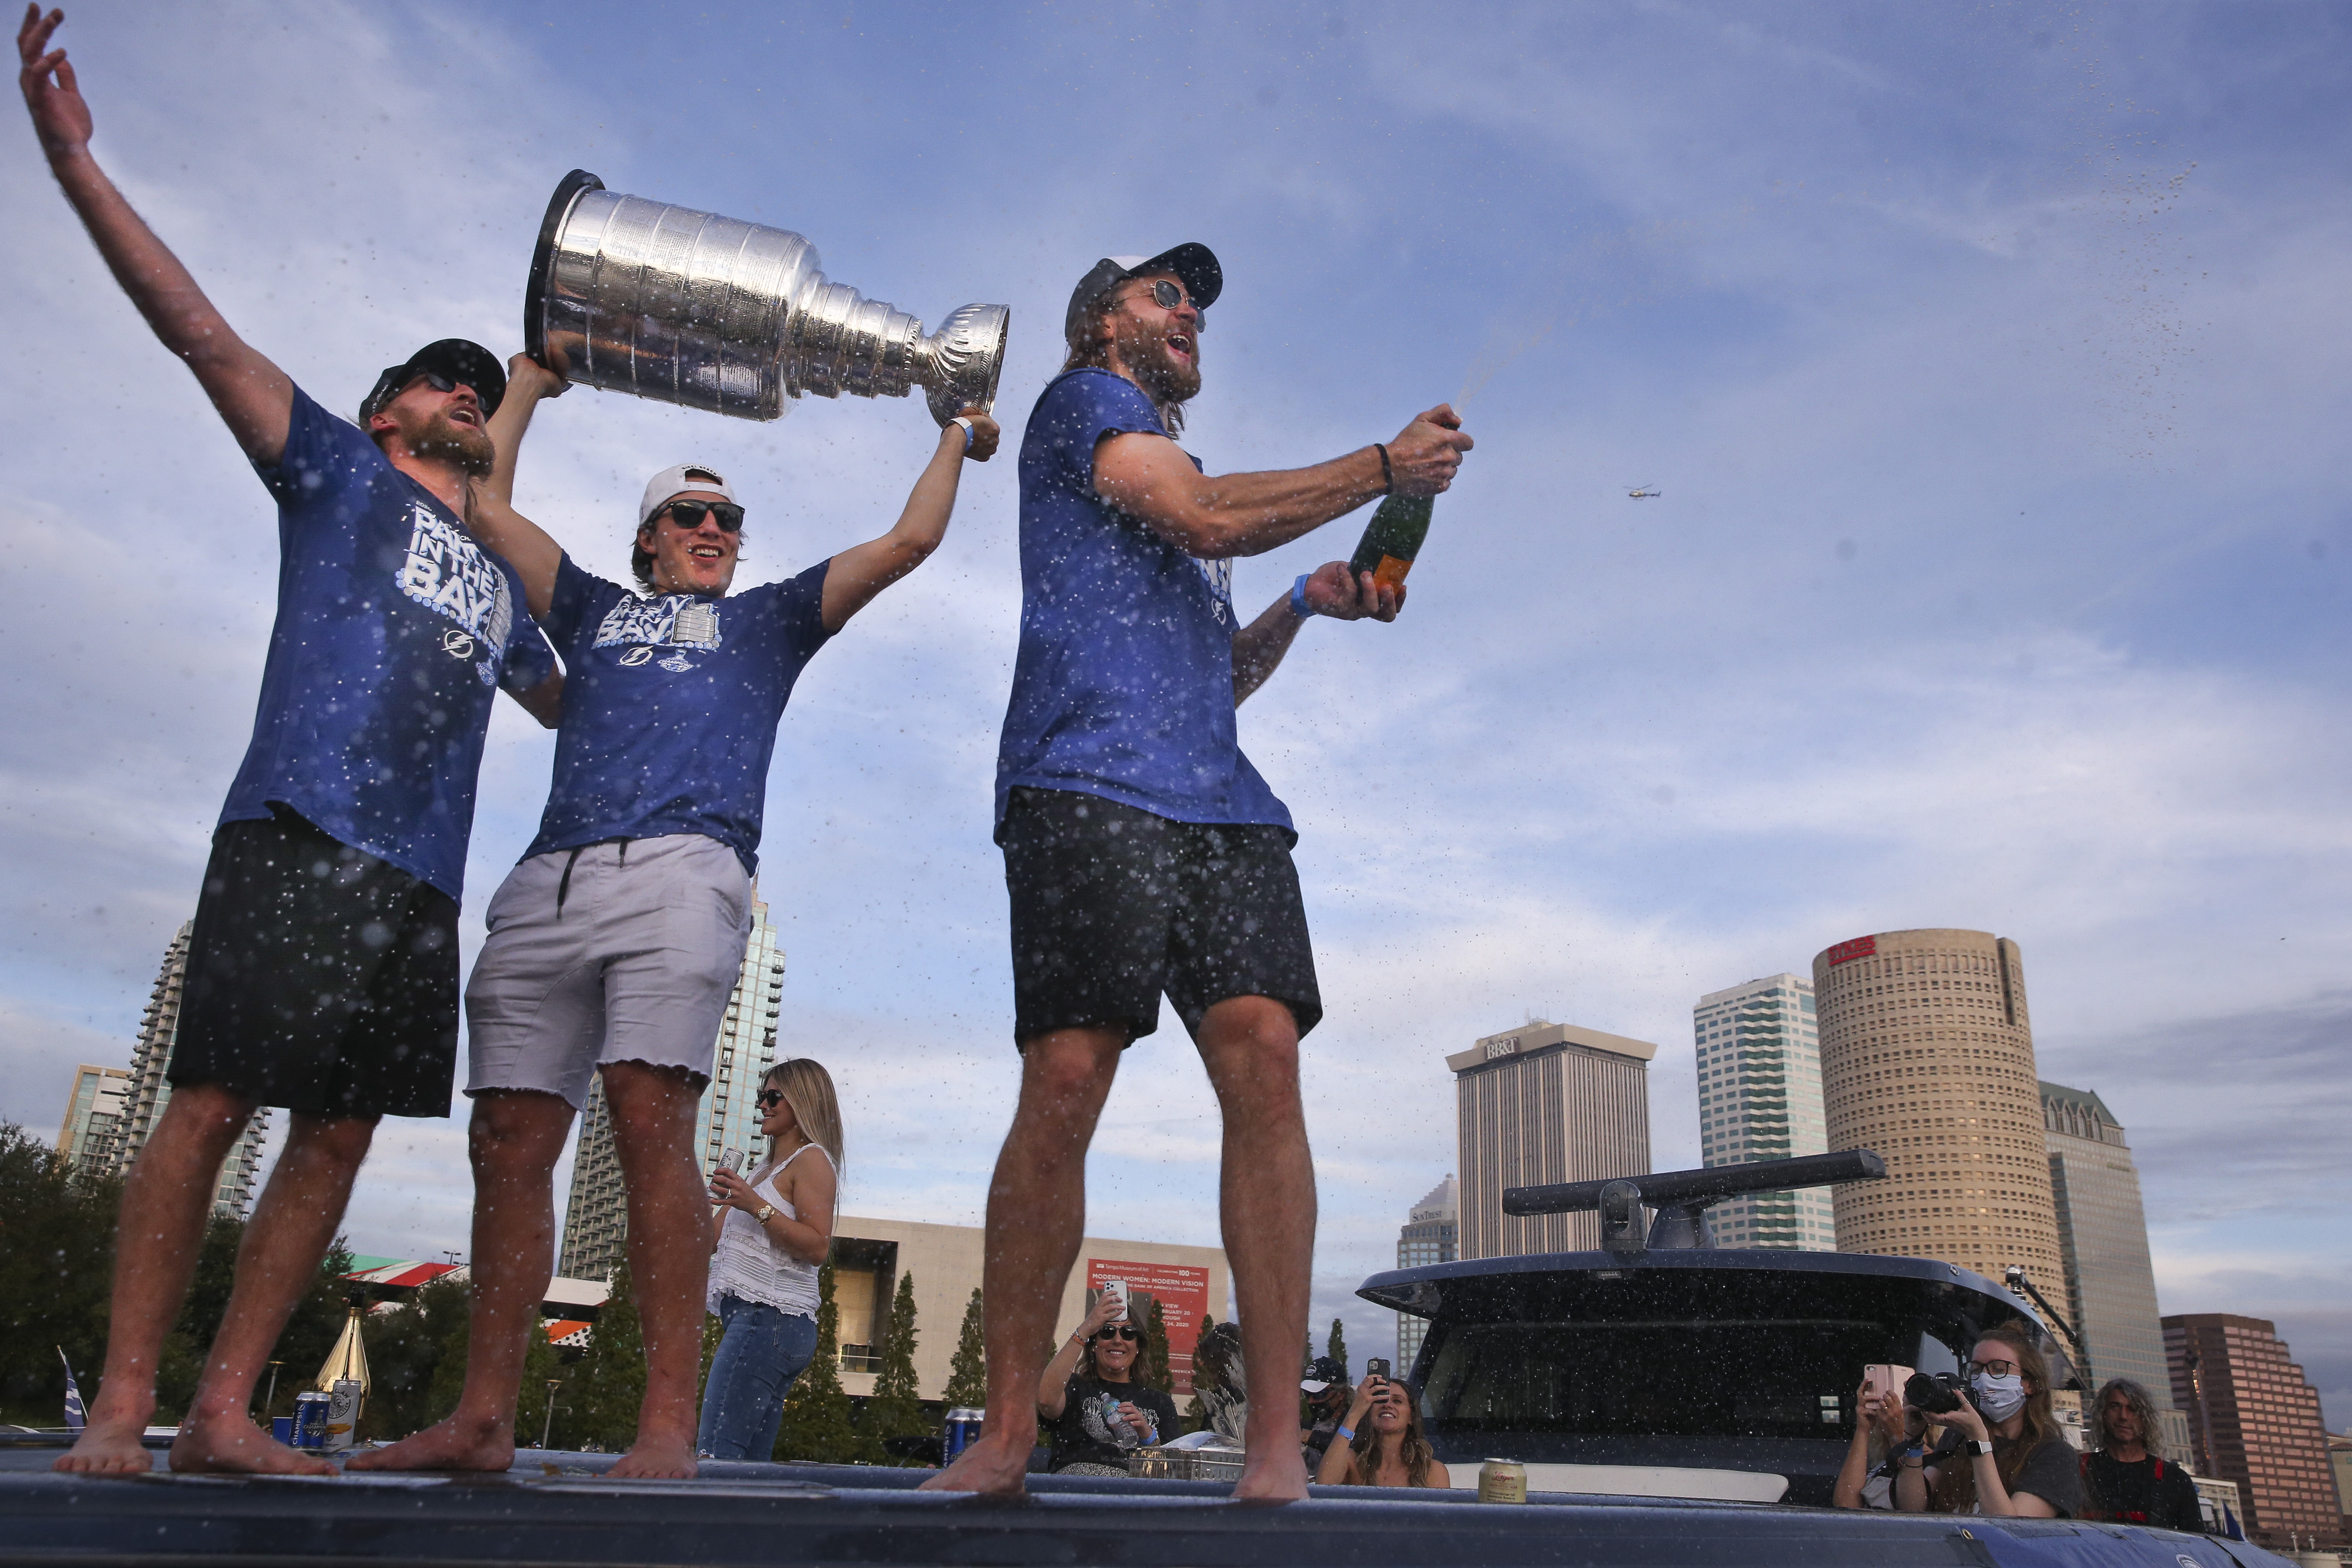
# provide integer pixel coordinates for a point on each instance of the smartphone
(1116, 1290)
(1378, 1367)
(1883, 1377)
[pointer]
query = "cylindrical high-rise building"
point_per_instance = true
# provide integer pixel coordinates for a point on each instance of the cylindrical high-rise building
(1927, 1058)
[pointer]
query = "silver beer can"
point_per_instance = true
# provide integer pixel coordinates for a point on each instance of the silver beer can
(1502, 1480)
(310, 1420)
(343, 1415)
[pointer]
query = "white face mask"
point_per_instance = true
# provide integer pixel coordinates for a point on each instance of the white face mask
(1998, 1398)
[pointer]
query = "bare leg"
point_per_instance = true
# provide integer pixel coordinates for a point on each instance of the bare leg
(514, 1140)
(1037, 1219)
(1250, 1046)
(669, 1255)
(292, 1229)
(160, 1230)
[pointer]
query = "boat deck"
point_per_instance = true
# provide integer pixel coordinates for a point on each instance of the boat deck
(558, 1508)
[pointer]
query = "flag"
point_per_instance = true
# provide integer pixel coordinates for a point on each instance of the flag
(75, 1417)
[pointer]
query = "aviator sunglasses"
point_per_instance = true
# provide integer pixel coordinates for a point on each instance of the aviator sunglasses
(1167, 296)
(689, 514)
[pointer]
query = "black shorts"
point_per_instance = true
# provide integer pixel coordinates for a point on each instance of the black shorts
(1113, 905)
(320, 978)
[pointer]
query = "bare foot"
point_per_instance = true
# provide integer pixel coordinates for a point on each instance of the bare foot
(1280, 1477)
(654, 1458)
(110, 1445)
(993, 1467)
(460, 1442)
(232, 1444)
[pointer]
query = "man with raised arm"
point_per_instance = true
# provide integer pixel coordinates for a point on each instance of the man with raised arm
(1142, 852)
(614, 946)
(322, 970)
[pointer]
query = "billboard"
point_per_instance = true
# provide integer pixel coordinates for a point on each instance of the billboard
(1182, 1293)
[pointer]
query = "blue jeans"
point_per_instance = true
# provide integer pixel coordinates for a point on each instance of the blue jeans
(761, 1352)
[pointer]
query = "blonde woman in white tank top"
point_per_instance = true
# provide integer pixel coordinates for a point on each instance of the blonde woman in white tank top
(775, 1228)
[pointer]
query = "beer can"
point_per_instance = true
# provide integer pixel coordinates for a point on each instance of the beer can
(342, 1413)
(281, 1427)
(963, 1429)
(1502, 1480)
(310, 1420)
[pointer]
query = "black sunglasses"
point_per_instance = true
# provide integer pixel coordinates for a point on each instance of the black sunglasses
(1168, 296)
(1122, 1332)
(689, 514)
(439, 383)
(769, 1099)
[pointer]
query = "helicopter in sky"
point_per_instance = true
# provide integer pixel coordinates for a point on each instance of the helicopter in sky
(1643, 491)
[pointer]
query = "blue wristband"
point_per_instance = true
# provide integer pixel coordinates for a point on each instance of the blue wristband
(1343, 1434)
(1298, 596)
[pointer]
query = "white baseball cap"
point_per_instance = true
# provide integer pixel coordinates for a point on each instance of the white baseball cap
(676, 481)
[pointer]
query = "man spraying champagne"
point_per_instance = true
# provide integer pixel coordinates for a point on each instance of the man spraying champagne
(1143, 853)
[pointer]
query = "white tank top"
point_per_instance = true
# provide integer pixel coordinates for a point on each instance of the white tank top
(750, 1268)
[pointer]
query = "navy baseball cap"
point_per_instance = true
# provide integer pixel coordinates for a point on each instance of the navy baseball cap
(1195, 263)
(456, 358)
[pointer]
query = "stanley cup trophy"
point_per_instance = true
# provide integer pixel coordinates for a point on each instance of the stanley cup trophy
(691, 308)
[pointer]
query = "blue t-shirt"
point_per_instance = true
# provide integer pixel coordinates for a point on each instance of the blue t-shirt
(395, 632)
(670, 706)
(1124, 684)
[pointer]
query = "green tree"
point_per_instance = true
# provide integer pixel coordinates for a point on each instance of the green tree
(1156, 1370)
(818, 1421)
(968, 1372)
(897, 1408)
(1337, 1349)
(57, 1273)
(406, 1347)
(606, 1388)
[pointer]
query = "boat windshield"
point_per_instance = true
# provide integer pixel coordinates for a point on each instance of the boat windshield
(1785, 1377)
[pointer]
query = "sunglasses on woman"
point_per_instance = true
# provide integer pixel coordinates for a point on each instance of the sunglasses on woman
(689, 514)
(768, 1098)
(1123, 1332)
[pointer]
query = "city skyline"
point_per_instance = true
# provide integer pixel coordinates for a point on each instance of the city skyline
(1989, 361)
(1759, 1098)
(2102, 1235)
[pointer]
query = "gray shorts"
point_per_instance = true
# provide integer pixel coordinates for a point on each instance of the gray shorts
(623, 951)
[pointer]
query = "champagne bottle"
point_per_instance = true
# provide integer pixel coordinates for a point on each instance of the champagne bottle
(1392, 538)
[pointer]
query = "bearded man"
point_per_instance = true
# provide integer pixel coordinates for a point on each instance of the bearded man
(1142, 852)
(322, 968)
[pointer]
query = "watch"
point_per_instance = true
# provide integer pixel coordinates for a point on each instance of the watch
(1981, 1447)
(767, 1212)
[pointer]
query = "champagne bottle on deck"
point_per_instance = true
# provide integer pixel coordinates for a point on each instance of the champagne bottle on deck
(1392, 538)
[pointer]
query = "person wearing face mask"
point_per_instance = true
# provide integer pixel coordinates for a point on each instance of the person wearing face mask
(2002, 1454)
(1100, 1410)
(776, 1231)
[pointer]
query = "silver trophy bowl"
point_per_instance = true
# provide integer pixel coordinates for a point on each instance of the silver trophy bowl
(711, 312)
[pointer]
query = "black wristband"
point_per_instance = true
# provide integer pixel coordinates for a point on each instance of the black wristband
(1388, 474)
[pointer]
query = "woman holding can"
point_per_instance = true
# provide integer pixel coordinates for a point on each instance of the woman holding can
(1381, 1443)
(1099, 1410)
(776, 1227)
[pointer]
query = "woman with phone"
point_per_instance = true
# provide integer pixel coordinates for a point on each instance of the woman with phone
(2002, 1453)
(1885, 1432)
(775, 1229)
(1381, 1443)
(1089, 1396)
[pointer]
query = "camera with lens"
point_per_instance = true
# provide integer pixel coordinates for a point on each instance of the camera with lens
(1937, 1393)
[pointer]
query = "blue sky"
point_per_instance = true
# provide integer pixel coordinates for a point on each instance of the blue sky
(1990, 360)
